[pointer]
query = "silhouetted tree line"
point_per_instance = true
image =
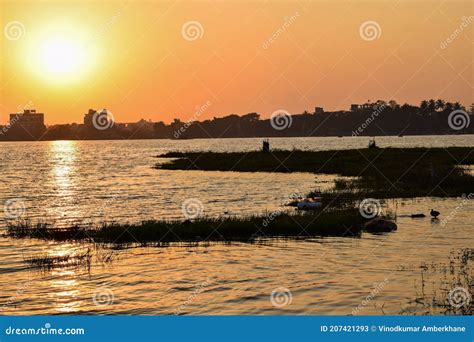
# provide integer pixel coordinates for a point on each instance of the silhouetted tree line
(370, 119)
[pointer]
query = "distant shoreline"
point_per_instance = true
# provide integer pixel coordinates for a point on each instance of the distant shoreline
(240, 137)
(381, 118)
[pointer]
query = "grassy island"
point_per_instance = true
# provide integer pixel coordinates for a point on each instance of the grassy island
(330, 222)
(380, 172)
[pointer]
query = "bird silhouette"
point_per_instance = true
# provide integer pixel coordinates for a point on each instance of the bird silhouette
(434, 213)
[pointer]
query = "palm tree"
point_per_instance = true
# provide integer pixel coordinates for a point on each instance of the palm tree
(440, 104)
(424, 106)
(431, 105)
(393, 104)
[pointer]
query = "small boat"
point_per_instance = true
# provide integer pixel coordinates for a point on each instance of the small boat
(309, 203)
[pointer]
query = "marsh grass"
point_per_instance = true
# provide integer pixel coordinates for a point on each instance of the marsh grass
(433, 297)
(55, 261)
(75, 259)
(381, 173)
(325, 222)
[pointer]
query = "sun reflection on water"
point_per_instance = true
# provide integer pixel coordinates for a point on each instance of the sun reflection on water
(62, 157)
(65, 290)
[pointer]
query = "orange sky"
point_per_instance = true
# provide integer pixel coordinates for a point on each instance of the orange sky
(137, 64)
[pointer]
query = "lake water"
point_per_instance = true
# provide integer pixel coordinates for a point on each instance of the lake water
(71, 181)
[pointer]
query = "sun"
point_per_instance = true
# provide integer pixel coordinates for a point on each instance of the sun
(61, 57)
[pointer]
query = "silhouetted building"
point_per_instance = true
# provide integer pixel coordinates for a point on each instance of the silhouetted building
(89, 118)
(356, 107)
(28, 120)
(318, 110)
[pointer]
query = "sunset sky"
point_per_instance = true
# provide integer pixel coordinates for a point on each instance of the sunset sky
(138, 60)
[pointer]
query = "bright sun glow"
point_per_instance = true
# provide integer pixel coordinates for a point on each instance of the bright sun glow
(61, 58)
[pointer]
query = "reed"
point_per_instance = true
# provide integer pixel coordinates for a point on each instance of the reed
(327, 222)
(380, 172)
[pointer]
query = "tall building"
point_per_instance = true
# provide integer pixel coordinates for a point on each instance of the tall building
(98, 120)
(89, 118)
(28, 120)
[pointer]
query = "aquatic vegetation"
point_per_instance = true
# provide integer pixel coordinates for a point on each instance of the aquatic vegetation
(53, 261)
(324, 222)
(380, 173)
(75, 258)
(452, 294)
